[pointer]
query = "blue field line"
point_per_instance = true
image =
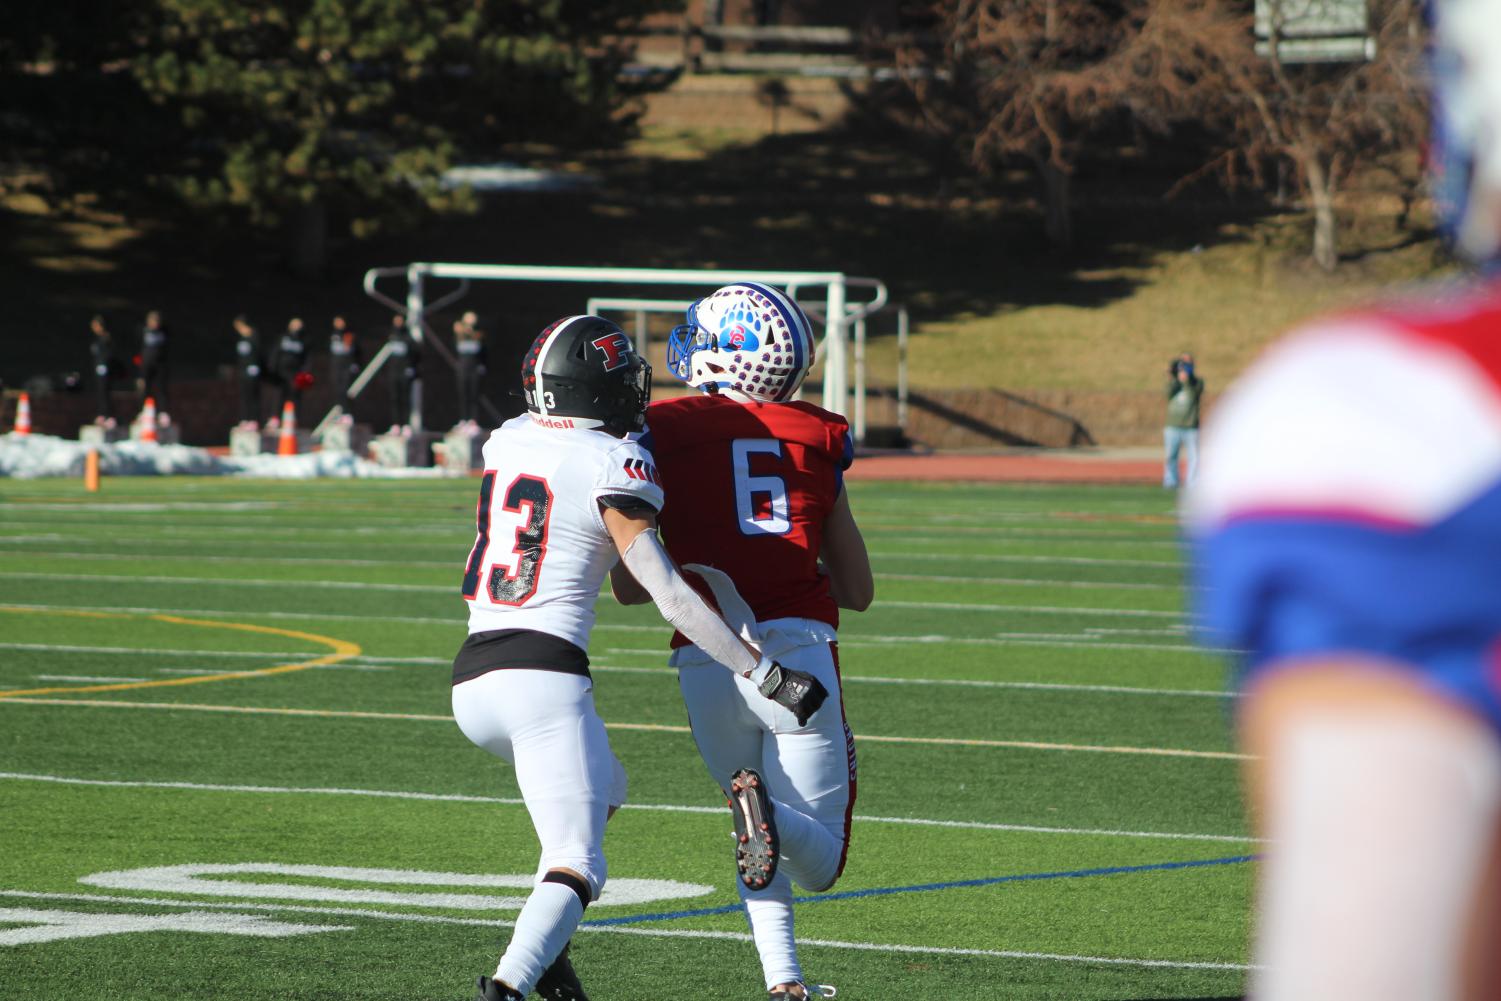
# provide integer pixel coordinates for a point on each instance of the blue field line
(929, 887)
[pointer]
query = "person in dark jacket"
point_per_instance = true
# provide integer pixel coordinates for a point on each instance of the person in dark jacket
(248, 370)
(289, 364)
(401, 370)
(469, 343)
(102, 354)
(343, 360)
(153, 360)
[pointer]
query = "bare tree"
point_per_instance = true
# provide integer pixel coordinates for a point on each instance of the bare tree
(1325, 118)
(1038, 80)
(1035, 80)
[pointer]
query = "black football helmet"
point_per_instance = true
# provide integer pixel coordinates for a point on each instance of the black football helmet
(584, 372)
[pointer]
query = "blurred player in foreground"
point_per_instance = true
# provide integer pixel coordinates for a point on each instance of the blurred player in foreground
(566, 492)
(1352, 547)
(755, 488)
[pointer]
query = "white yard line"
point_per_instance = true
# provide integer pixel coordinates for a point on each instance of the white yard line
(1091, 561)
(1027, 582)
(945, 606)
(851, 640)
(378, 663)
(678, 933)
(1022, 745)
(876, 553)
(80, 677)
(450, 564)
(972, 825)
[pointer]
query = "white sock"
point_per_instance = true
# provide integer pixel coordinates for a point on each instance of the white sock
(769, 914)
(810, 853)
(543, 927)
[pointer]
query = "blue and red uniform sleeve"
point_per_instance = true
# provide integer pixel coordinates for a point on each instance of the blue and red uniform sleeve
(1364, 523)
(1291, 587)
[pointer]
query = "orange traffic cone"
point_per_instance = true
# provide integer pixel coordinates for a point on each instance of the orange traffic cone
(286, 443)
(91, 470)
(23, 415)
(148, 420)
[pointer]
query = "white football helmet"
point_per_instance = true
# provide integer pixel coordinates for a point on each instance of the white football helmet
(1467, 124)
(748, 341)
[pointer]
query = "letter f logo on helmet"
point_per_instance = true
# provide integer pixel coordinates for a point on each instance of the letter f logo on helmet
(616, 348)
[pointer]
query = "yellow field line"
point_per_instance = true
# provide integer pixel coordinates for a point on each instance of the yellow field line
(341, 650)
(1025, 745)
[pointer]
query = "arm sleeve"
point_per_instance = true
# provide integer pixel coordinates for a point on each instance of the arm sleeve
(680, 605)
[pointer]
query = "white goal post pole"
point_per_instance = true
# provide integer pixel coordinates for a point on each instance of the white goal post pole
(836, 386)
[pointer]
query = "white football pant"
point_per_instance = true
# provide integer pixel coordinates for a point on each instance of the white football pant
(809, 772)
(544, 723)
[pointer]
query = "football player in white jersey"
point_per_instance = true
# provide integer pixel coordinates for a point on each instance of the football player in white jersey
(1349, 548)
(566, 492)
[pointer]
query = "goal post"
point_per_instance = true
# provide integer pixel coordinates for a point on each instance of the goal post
(837, 320)
(856, 316)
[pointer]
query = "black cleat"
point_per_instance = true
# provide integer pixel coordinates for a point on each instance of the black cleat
(493, 990)
(756, 843)
(559, 983)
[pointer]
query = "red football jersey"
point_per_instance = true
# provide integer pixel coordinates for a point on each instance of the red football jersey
(748, 488)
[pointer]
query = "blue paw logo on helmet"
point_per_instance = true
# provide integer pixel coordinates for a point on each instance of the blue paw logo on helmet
(739, 330)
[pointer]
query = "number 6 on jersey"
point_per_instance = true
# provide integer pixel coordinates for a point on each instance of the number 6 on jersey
(770, 517)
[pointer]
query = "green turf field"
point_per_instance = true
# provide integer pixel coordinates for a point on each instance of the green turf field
(231, 749)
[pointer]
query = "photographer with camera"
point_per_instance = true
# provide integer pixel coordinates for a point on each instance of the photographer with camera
(1181, 433)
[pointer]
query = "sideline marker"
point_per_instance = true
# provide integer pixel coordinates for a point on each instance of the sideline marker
(148, 420)
(286, 442)
(91, 470)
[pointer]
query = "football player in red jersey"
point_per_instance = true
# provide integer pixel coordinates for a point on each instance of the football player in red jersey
(755, 488)
(568, 491)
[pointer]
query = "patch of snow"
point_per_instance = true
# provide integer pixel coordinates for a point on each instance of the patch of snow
(32, 456)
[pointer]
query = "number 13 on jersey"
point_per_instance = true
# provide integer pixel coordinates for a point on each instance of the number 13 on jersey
(530, 497)
(760, 501)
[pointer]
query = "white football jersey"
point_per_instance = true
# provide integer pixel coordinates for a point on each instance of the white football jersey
(542, 550)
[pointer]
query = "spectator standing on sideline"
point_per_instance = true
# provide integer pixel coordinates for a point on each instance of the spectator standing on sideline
(248, 371)
(401, 371)
(343, 359)
(102, 352)
(289, 366)
(1181, 433)
(153, 360)
(469, 342)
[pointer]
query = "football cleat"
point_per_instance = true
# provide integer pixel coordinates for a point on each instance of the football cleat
(559, 983)
(493, 990)
(756, 843)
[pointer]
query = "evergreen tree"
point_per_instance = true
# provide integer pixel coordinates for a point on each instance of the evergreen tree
(311, 113)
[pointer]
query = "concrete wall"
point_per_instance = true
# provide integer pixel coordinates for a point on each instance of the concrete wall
(995, 418)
